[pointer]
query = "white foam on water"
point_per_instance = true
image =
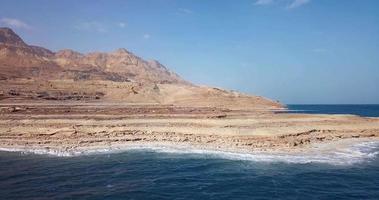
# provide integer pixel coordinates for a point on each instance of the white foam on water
(51, 152)
(347, 155)
(331, 153)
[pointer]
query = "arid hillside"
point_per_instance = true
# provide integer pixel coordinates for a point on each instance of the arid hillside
(31, 73)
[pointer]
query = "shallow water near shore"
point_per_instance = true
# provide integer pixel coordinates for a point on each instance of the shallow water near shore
(144, 174)
(346, 152)
(181, 173)
(365, 110)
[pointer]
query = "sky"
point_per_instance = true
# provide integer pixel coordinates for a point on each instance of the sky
(294, 51)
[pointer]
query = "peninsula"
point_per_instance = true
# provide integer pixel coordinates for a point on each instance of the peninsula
(67, 101)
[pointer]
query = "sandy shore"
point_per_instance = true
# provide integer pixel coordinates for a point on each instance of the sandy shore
(73, 127)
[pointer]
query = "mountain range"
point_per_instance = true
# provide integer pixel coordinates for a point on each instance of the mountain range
(32, 73)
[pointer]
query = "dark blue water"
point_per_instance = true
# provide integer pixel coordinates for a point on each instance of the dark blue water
(369, 110)
(151, 175)
(146, 174)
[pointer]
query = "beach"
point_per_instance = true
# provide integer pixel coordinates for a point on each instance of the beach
(70, 128)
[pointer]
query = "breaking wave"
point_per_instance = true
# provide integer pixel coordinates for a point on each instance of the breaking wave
(336, 154)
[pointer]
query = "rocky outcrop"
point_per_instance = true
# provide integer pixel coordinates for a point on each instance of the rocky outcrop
(8, 37)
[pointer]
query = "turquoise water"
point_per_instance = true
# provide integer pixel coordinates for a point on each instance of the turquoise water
(369, 110)
(172, 174)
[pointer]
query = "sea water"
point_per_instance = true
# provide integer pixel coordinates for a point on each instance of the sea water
(168, 173)
(366, 110)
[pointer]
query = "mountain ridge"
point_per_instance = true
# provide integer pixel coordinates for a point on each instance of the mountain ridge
(35, 73)
(120, 61)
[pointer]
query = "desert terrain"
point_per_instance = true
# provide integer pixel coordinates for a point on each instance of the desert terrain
(73, 127)
(66, 101)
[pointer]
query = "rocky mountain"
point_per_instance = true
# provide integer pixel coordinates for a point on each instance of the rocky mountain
(34, 73)
(120, 65)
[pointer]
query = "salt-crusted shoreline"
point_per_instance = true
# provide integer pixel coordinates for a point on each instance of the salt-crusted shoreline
(62, 130)
(342, 152)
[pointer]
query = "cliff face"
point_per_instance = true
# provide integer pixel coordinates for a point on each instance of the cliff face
(35, 73)
(120, 65)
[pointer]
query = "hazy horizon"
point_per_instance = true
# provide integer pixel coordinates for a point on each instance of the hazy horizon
(294, 51)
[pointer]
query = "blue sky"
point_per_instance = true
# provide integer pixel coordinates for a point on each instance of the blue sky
(294, 51)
